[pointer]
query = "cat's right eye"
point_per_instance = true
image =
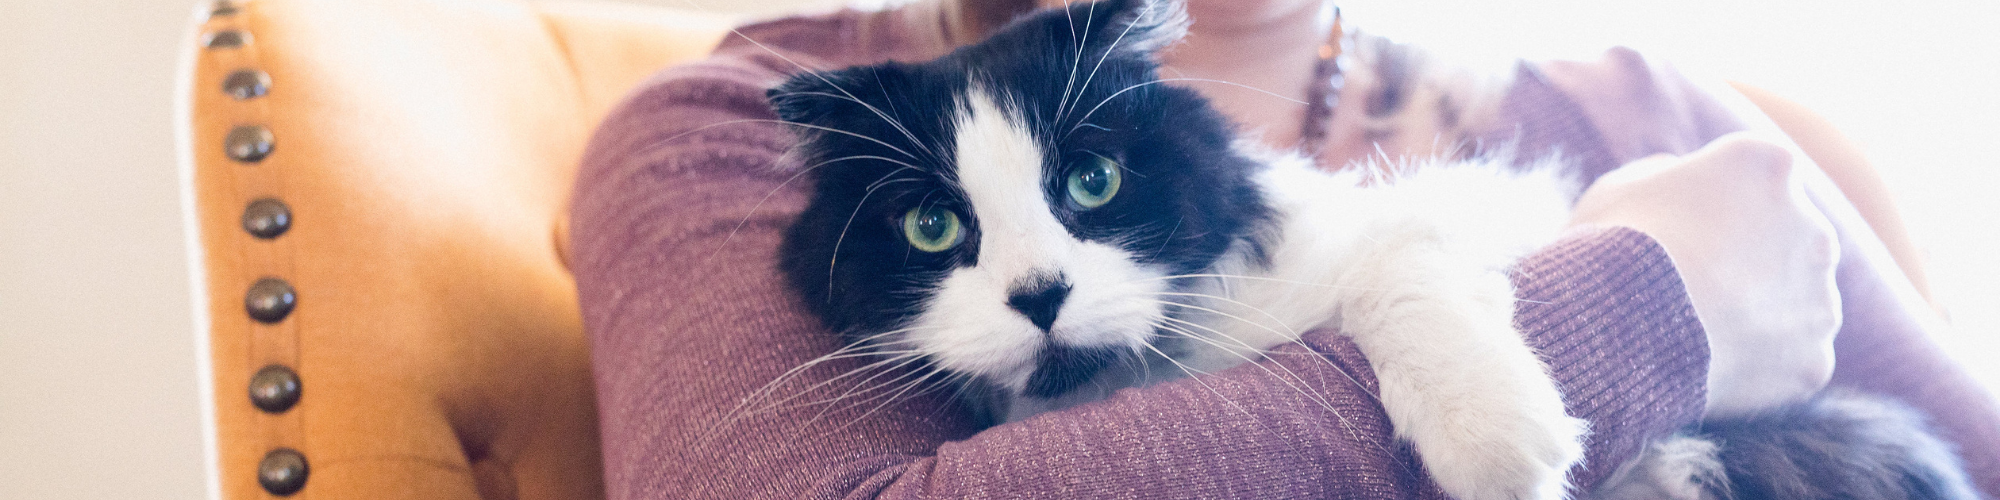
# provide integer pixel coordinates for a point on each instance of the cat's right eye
(1094, 181)
(933, 229)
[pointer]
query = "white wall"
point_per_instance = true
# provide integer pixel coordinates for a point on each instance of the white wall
(97, 360)
(97, 371)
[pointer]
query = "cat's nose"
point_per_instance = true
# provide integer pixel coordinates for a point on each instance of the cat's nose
(1040, 300)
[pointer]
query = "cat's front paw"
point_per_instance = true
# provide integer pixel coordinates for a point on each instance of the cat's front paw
(1502, 450)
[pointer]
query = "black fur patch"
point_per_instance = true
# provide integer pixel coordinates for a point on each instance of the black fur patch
(1842, 445)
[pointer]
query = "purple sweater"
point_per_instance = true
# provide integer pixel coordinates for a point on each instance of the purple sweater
(675, 227)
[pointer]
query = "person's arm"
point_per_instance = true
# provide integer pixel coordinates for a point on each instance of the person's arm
(1758, 257)
(675, 223)
(1887, 344)
(1884, 344)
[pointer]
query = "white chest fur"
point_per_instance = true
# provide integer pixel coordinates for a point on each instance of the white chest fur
(1467, 220)
(1414, 272)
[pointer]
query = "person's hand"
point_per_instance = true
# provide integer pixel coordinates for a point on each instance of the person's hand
(1756, 256)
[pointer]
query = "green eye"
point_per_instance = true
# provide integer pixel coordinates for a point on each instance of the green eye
(933, 229)
(1092, 182)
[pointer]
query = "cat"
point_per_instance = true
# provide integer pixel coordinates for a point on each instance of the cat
(1031, 211)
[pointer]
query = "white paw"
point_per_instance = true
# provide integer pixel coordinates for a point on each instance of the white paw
(1501, 453)
(1490, 426)
(1459, 383)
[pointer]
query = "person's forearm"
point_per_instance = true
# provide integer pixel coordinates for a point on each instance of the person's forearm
(1607, 310)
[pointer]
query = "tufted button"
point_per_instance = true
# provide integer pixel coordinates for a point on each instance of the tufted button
(269, 300)
(248, 143)
(246, 84)
(226, 39)
(267, 218)
(274, 389)
(283, 472)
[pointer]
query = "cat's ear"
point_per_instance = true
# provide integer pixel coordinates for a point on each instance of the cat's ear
(812, 97)
(1140, 27)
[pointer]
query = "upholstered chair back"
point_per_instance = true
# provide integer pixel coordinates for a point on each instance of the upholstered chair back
(378, 189)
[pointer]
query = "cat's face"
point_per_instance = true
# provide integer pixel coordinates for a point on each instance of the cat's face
(1016, 212)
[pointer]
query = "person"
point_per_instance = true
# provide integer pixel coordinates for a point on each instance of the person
(675, 224)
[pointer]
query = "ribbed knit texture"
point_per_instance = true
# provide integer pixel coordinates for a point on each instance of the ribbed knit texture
(678, 211)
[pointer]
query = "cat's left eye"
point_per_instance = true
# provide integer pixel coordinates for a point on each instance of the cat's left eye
(1093, 181)
(932, 229)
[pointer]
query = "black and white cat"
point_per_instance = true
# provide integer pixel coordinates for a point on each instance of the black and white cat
(1030, 211)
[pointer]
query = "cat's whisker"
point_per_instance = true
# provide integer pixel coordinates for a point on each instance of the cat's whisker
(744, 410)
(829, 82)
(962, 382)
(1190, 371)
(1095, 126)
(695, 130)
(843, 353)
(1261, 278)
(1169, 240)
(848, 353)
(1321, 398)
(879, 369)
(1234, 350)
(833, 262)
(1145, 366)
(781, 187)
(885, 178)
(1135, 363)
(868, 385)
(1288, 333)
(778, 404)
(1114, 95)
(890, 399)
(1317, 396)
(892, 122)
(851, 350)
(887, 358)
(1108, 51)
(886, 98)
(1196, 376)
(891, 101)
(817, 74)
(862, 389)
(1292, 282)
(889, 389)
(928, 385)
(1076, 59)
(1291, 335)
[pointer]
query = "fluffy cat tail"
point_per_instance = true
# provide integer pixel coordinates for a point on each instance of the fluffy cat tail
(1840, 445)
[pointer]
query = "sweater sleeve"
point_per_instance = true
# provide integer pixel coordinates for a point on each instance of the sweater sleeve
(713, 383)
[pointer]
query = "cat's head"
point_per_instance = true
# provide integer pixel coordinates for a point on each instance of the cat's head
(1016, 211)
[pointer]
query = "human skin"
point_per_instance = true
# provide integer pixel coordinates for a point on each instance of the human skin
(1757, 257)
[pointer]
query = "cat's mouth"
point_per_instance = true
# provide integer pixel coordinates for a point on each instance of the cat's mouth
(1061, 368)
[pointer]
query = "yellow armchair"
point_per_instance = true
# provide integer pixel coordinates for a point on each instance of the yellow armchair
(379, 187)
